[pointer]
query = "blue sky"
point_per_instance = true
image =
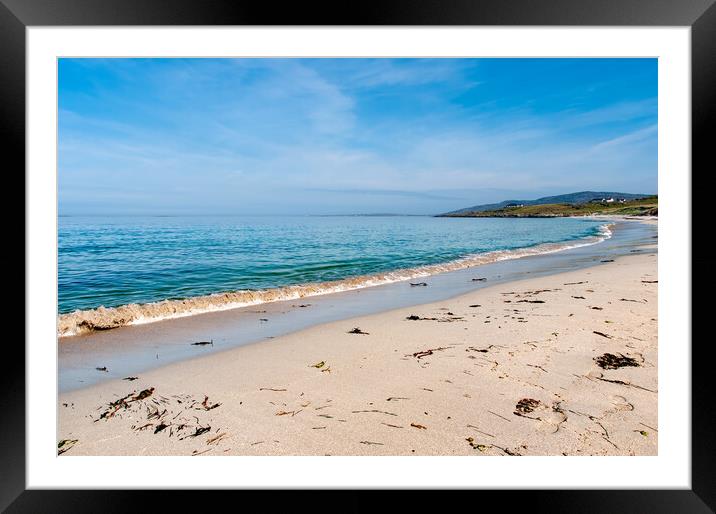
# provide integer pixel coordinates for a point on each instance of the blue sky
(342, 136)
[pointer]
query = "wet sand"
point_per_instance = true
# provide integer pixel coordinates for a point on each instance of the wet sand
(564, 364)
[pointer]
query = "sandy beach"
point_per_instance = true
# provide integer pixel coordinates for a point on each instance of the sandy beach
(564, 364)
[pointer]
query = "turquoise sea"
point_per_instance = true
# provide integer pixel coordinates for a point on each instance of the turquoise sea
(117, 261)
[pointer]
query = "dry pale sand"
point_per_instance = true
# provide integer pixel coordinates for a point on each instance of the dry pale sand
(506, 370)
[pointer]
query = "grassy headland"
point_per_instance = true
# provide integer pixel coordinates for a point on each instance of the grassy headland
(640, 207)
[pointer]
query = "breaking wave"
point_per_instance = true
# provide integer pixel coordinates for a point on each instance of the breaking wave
(102, 318)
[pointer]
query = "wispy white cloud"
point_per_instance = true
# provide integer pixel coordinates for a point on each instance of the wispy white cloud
(631, 138)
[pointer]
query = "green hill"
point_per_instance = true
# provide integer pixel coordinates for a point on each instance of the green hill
(579, 198)
(644, 206)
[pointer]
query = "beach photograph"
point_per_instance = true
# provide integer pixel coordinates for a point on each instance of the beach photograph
(357, 257)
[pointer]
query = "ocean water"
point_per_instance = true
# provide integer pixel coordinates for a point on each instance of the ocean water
(124, 270)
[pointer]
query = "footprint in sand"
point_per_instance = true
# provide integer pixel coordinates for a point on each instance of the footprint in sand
(550, 418)
(620, 403)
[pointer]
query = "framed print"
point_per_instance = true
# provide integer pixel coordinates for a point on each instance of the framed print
(395, 250)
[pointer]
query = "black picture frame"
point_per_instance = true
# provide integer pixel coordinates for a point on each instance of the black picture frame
(700, 15)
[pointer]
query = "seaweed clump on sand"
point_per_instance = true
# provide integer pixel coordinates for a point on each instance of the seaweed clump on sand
(123, 403)
(414, 317)
(65, 445)
(525, 406)
(358, 331)
(425, 353)
(611, 361)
